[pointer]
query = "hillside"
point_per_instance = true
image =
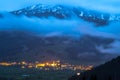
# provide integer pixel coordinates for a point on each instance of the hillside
(19, 46)
(108, 71)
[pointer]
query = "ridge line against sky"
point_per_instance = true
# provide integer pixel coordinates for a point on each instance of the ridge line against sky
(111, 6)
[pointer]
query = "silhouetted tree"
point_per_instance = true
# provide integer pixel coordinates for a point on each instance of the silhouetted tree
(3, 78)
(93, 77)
(83, 78)
(75, 77)
(110, 78)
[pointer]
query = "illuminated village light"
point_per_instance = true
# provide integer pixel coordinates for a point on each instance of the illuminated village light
(30, 66)
(40, 65)
(5, 64)
(78, 74)
(23, 67)
(54, 65)
(47, 64)
(23, 62)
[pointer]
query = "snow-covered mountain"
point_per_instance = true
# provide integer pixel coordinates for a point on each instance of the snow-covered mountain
(68, 12)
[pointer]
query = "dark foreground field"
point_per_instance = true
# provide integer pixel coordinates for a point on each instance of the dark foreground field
(10, 73)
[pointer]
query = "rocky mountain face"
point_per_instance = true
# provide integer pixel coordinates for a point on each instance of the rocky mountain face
(67, 12)
(19, 46)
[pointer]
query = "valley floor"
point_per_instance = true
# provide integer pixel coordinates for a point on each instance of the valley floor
(10, 73)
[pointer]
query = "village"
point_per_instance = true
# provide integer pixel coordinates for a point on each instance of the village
(53, 65)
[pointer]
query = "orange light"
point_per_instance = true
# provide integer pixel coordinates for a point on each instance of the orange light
(23, 62)
(47, 64)
(40, 65)
(5, 64)
(30, 66)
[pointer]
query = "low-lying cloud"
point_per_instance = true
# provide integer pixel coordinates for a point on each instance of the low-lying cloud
(112, 48)
(52, 26)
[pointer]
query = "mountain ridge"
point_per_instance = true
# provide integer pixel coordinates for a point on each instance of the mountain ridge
(66, 12)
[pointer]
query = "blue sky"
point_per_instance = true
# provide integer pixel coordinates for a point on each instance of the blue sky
(7, 5)
(103, 5)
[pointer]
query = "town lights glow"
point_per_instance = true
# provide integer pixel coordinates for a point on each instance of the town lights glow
(40, 65)
(5, 64)
(53, 65)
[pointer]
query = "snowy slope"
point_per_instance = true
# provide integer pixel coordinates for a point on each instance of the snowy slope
(67, 12)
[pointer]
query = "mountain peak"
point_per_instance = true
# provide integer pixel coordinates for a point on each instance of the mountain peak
(67, 12)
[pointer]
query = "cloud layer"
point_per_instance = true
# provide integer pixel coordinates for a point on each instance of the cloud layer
(73, 27)
(55, 27)
(112, 48)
